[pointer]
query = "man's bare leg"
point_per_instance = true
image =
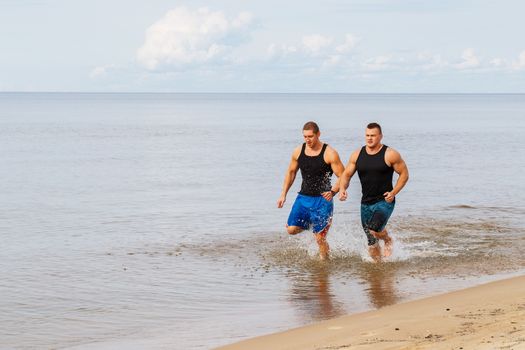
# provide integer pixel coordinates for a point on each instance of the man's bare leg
(324, 248)
(389, 242)
(293, 230)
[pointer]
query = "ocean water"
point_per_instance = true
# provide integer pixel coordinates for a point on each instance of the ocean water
(149, 221)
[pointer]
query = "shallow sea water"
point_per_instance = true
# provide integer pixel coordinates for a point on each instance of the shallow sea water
(147, 221)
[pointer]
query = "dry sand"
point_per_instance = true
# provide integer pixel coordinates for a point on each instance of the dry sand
(490, 316)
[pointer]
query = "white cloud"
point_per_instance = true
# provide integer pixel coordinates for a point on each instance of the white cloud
(332, 61)
(348, 45)
(101, 71)
(315, 43)
(314, 48)
(244, 19)
(184, 36)
(377, 63)
(427, 61)
(470, 60)
(520, 64)
(275, 50)
(498, 62)
(203, 38)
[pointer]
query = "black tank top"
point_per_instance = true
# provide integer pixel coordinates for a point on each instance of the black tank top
(315, 172)
(375, 175)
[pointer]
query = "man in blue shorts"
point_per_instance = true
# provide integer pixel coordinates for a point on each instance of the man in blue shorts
(313, 206)
(375, 164)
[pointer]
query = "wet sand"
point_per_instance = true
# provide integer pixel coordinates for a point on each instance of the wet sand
(489, 316)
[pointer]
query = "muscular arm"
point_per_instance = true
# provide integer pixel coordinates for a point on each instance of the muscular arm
(289, 177)
(344, 180)
(394, 159)
(332, 158)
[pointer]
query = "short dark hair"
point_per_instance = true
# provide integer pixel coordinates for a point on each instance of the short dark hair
(311, 126)
(374, 126)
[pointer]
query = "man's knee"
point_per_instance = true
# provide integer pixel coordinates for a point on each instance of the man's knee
(379, 235)
(320, 237)
(293, 230)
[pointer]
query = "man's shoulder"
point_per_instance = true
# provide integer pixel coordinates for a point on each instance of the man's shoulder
(391, 151)
(297, 151)
(331, 153)
(355, 154)
(330, 149)
(392, 155)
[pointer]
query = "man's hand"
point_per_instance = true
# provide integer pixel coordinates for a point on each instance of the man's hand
(343, 195)
(389, 197)
(280, 201)
(328, 195)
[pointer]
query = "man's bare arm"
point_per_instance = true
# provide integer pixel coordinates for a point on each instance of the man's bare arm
(396, 161)
(332, 158)
(289, 177)
(344, 180)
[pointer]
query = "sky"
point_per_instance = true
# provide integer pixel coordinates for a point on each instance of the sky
(330, 46)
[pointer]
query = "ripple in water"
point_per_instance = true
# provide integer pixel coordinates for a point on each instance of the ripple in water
(423, 245)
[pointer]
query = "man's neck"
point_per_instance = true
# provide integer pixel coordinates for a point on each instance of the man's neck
(375, 149)
(315, 147)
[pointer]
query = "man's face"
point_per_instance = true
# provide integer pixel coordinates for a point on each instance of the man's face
(373, 137)
(310, 137)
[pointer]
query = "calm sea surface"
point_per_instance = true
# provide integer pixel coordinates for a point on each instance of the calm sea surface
(149, 221)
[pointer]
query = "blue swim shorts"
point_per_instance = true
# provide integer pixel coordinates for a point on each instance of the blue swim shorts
(311, 211)
(375, 217)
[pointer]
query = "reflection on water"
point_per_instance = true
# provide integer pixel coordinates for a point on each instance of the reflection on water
(381, 285)
(311, 295)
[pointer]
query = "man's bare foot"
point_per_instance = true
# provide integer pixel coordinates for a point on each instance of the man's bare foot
(375, 252)
(389, 244)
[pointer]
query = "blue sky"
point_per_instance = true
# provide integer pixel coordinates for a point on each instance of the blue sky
(361, 46)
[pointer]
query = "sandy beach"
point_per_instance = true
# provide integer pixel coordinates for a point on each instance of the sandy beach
(489, 316)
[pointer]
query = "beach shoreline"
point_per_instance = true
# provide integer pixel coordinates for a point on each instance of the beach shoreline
(487, 316)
